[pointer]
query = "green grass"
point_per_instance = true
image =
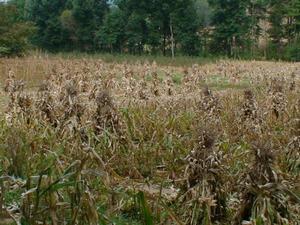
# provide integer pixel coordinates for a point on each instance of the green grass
(177, 78)
(128, 58)
(12, 197)
(220, 83)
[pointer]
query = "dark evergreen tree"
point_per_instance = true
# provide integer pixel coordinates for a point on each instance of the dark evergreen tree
(186, 25)
(111, 35)
(277, 11)
(293, 13)
(46, 16)
(257, 10)
(161, 17)
(150, 24)
(20, 6)
(88, 16)
(232, 26)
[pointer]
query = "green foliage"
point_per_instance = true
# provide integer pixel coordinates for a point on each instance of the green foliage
(88, 16)
(69, 25)
(147, 26)
(145, 211)
(276, 19)
(292, 52)
(284, 30)
(136, 30)
(65, 25)
(204, 12)
(111, 35)
(233, 28)
(177, 78)
(13, 33)
(50, 32)
(4, 51)
(293, 14)
(186, 24)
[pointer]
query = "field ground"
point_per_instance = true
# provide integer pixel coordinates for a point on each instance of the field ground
(219, 75)
(91, 141)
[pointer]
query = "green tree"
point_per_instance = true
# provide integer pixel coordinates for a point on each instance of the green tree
(20, 6)
(160, 14)
(136, 28)
(136, 32)
(277, 11)
(111, 35)
(186, 24)
(69, 24)
(14, 34)
(293, 13)
(204, 12)
(232, 26)
(88, 16)
(257, 10)
(46, 15)
(292, 50)
(151, 24)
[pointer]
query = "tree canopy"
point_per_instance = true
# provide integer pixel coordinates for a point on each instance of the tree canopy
(189, 27)
(13, 32)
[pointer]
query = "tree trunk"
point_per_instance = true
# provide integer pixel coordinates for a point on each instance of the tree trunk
(164, 45)
(172, 40)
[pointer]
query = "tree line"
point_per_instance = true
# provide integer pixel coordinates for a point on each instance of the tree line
(236, 28)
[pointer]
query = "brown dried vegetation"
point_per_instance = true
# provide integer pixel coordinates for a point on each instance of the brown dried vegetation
(88, 142)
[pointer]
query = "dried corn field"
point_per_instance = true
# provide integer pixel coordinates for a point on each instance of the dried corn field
(90, 142)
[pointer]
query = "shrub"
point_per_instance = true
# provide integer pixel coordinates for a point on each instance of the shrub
(4, 51)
